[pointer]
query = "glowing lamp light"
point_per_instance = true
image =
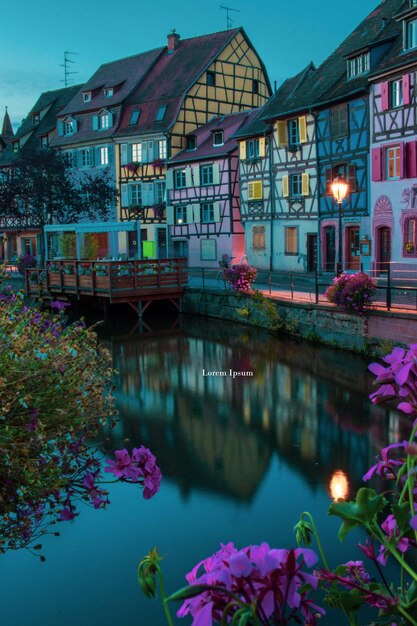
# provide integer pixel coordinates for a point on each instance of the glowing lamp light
(339, 486)
(179, 221)
(339, 189)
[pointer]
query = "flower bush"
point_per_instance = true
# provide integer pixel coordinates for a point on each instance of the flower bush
(101, 269)
(25, 262)
(260, 586)
(240, 276)
(55, 395)
(356, 292)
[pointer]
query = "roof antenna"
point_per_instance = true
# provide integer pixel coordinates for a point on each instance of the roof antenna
(67, 80)
(229, 20)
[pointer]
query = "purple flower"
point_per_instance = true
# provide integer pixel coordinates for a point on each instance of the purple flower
(269, 579)
(141, 466)
(66, 514)
(59, 305)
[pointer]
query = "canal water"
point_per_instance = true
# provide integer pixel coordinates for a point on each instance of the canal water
(241, 457)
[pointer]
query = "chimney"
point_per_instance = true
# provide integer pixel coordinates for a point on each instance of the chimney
(173, 41)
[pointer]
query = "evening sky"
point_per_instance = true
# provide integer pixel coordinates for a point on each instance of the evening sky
(286, 34)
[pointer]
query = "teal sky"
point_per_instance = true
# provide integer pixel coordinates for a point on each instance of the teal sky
(287, 35)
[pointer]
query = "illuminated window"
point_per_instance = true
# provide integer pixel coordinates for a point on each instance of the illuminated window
(291, 240)
(393, 162)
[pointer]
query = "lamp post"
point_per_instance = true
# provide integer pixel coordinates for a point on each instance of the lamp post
(339, 190)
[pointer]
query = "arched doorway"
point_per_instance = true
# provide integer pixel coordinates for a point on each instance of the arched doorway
(383, 248)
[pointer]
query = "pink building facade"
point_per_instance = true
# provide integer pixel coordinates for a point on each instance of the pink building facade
(203, 212)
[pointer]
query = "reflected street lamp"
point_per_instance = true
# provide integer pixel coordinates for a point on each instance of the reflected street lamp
(340, 189)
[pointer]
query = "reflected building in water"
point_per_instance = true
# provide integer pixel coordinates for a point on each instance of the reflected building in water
(307, 405)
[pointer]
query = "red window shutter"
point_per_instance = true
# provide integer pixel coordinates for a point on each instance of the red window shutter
(329, 180)
(406, 89)
(384, 96)
(403, 171)
(352, 177)
(376, 164)
(411, 159)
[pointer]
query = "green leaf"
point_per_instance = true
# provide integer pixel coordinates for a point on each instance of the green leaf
(360, 512)
(194, 590)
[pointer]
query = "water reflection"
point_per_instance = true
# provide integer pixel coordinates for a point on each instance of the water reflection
(309, 406)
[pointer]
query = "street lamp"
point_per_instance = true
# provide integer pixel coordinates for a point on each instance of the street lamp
(340, 189)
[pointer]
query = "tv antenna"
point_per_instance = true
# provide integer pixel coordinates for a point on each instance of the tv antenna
(229, 20)
(66, 65)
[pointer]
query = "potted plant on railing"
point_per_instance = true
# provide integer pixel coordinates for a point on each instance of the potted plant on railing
(409, 247)
(124, 275)
(84, 275)
(158, 163)
(132, 166)
(69, 275)
(101, 275)
(159, 211)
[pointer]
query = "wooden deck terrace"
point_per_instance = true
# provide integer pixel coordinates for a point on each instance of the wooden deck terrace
(137, 283)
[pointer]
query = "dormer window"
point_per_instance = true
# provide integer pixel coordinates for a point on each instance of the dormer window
(410, 34)
(36, 118)
(359, 65)
(87, 96)
(134, 117)
(103, 120)
(15, 146)
(44, 141)
(191, 142)
(69, 127)
(218, 139)
(160, 114)
(108, 92)
(413, 3)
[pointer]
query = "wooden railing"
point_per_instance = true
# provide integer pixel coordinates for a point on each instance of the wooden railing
(107, 278)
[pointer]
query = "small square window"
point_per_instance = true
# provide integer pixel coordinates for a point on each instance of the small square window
(295, 185)
(396, 93)
(134, 117)
(179, 179)
(393, 162)
(87, 96)
(36, 118)
(207, 213)
(180, 215)
(293, 132)
(44, 141)
(206, 175)
(160, 114)
(211, 79)
(191, 142)
(218, 138)
(291, 240)
(258, 238)
(252, 149)
(108, 92)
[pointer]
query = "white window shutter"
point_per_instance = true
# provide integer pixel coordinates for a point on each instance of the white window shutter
(216, 211)
(190, 214)
(124, 195)
(188, 178)
(170, 215)
(216, 174)
(169, 179)
(123, 154)
(196, 176)
(197, 213)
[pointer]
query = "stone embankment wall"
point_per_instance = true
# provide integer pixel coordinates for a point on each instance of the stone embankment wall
(323, 322)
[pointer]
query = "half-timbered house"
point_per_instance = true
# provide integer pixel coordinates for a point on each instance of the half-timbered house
(282, 221)
(203, 209)
(394, 146)
(20, 234)
(192, 81)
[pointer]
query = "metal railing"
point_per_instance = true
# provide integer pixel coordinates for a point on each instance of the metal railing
(396, 284)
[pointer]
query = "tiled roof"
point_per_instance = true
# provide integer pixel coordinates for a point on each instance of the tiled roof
(86, 133)
(229, 124)
(396, 56)
(170, 78)
(123, 75)
(48, 105)
(329, 82)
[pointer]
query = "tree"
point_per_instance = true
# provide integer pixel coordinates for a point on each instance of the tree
(42, 188)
